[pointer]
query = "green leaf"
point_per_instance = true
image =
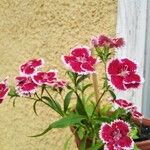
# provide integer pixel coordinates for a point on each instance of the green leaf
(34, 107)
(105, 109)
(104, 119)
(105, 84)
(112, 94)
(73, 76)
(12, 92)
(67, 100)
(97, 146)
(80, 79)
(134, 133)
(70, 88)
(80, 133)
(86, 86)
(70, 120)
(80, 106)
(89, 108)
(83, 144)
(90, 96)
(54, 105)
(42, 90)
(117, 113)
(66, 145)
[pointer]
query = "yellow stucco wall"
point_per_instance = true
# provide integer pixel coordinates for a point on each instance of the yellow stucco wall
(48, 29)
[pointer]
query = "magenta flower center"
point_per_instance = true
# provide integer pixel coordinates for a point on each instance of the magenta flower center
(81, 59)
(45, 77)
(117, 135)
(124, 72)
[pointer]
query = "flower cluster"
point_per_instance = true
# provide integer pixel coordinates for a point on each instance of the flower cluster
(104, 41)
(30, 78)
(130, 107)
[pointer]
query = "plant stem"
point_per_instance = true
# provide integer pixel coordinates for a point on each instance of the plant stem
(97, 104)
(48, 93)
(40, 100)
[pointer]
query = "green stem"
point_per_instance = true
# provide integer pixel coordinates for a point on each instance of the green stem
(40, 100)
(48, 93)
(98, 102)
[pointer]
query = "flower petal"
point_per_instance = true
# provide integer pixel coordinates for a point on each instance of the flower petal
(126, 143)
(25, 85)
(41, 78)
(3, 90)
(76, 67)
(105, 41)
(117, 81)
(123, 103)
(105, 133)
(87, 67)
(132, 66)
(60, 83)
(118, 42)
(82, 51)
(92, 60)
(31, 66)
(114, 67)
(136, 114)
(68, 59)
(132, 81)
(109, 146)
(122, 126)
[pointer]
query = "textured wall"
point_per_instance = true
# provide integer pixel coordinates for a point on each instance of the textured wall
(48, 29)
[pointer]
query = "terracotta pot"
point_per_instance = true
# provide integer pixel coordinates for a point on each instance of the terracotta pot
(143, 145)
(78, 141)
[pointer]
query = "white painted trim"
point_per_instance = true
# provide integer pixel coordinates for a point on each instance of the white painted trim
(131, 25)
(146, 90)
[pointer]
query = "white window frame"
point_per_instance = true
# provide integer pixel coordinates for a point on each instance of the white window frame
(133, 24)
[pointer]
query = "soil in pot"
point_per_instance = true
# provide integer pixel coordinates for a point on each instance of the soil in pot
(143, 142)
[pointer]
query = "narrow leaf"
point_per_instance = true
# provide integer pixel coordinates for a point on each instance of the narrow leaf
(83, 77)
(54, 105)
(80, 106)
(34, 107)
(67, 100)
(70, 120)
(112, 94)
(97, 146)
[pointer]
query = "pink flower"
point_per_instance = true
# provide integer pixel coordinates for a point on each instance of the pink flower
(47, 78)
(135, 113)
(25, 85)
(60, 83)
(80, 60)
(31, 66)
(104, 41)
(123, 103)
(118, 42)
(3, 90)
(123, 75)
(116, 136)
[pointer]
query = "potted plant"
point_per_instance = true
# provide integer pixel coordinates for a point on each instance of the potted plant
(98, 122)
